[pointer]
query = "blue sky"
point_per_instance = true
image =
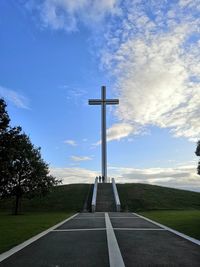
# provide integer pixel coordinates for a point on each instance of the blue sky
(55, 55)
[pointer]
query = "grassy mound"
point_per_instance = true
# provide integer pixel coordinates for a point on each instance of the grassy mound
(133, 197)
(144, 197)
(64, 198)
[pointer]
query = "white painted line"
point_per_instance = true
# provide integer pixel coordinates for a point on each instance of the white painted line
(191, 239)
(17, 248)
(74, 230)
(115, 257)
(85, 218)
(125, 218)
(141, 229)
(90, 216)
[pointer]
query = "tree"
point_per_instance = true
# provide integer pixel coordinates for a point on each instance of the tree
(197, 152)
(4, 118)
(22, 170)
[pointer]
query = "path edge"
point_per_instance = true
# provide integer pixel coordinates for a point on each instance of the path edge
(17, 248)
(191, 239)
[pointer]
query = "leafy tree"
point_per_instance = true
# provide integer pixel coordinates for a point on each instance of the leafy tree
(197, 152)
(4, 118)
(22, 170)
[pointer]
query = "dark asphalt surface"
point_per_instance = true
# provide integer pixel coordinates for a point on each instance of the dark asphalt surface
(82, 241)
(157, 248)
(84, 223)
(131, 223)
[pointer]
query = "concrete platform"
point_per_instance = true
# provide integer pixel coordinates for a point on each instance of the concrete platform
(101, 239)
(84, 248)
(133, 222)
(90, 215)
(84, 223)
(156, 248)
(122, 214)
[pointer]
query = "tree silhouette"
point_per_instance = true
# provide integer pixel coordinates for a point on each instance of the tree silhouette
(22, 170)
(4, 118)
(197, 152)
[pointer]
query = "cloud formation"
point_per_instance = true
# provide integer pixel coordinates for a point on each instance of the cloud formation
(74, 175)
(68, 14)
(12, 96)
(152, 50)
(80, 158)
(119, 130)
(70, 142)
(183, 177)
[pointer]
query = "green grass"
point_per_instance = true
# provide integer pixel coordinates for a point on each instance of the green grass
(184, 221)
(133, 197)
(143, 197)
(64, 198)
(16, 229)
(178, 209)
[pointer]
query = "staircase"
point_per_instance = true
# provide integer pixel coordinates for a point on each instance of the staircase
(105, 198)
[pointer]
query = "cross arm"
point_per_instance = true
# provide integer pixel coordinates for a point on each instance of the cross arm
(94, 102)
(100, 102)
(112, 101)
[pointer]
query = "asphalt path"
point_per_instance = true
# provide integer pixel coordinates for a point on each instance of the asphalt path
(107, 239)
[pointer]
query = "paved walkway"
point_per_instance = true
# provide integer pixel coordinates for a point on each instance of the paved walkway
(107, 239)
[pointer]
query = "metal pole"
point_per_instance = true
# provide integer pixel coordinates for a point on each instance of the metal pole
(103, 133)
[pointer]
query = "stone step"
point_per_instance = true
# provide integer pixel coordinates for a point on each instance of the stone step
(107, 207)
(105, 198)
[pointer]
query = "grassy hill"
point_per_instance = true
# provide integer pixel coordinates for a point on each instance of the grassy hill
(178, 209)
(133, 197)
(64, 198)
(144, 197)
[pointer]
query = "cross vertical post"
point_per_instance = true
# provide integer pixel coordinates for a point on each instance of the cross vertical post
(103, 133)
(103, 102)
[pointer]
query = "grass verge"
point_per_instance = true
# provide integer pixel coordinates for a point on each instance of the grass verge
(16, 229)
(184, 221)
(143, 197)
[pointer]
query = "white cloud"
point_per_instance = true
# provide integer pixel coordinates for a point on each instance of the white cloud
(80, 158)
(153, 51)
(182, 177)
(70, 142)
(74, 175)
(119, 130)
(12, 96)
(67, 14)
(189, 3)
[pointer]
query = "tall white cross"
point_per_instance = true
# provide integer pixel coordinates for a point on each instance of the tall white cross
(103, 102)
